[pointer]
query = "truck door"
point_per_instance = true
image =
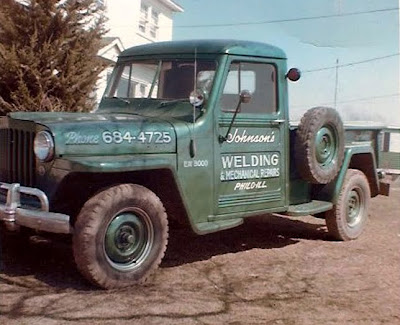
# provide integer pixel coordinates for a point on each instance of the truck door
(251, 164)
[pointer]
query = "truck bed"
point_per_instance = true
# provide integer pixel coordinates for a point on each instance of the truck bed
(385, 139)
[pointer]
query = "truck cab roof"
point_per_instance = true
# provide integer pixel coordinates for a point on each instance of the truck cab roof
(233, 47)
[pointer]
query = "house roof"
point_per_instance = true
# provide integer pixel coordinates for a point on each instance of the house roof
(172, 5)
(235, 47)
(111, 47)
(107, 41)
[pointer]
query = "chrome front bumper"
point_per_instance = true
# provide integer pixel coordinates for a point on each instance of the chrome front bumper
(13, 215)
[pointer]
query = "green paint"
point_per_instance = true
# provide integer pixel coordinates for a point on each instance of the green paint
(219, 181)
(326, 146)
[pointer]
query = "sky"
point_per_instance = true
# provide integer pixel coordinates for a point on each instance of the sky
(363, 37)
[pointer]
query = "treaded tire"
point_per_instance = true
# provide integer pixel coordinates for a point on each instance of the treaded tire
(319, 145)
(120, 236)
(347, 220)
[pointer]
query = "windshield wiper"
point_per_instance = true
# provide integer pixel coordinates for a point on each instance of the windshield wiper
(173, 101)
(122, 99)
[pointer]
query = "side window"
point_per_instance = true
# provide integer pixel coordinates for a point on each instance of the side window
(259, 79)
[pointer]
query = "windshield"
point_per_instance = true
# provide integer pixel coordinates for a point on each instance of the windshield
(162, 79)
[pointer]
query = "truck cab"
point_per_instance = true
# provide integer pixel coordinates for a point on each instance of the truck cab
(192, 131)
(221, 174)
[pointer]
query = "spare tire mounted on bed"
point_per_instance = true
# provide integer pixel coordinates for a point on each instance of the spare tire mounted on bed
(319, 147)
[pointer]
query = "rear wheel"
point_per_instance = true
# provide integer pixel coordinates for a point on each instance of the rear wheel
(120, 236)
(347, 219)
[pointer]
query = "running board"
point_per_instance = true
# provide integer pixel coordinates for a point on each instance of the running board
(309, 208)
(213, 226)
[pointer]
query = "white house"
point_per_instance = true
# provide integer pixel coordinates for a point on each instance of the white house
(141, 21)
(134, 22)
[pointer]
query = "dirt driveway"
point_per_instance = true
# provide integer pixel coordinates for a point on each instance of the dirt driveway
(271, 270)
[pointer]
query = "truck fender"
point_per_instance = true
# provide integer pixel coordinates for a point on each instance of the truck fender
(356, 157)
(155, 173)
(106, 164)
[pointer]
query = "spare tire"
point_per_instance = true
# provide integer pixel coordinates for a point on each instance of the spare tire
(319, 145)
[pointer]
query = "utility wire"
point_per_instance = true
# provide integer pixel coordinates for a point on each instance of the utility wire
(289, 19)
(351, 100)
(352, 63)
(369, 98)
(306, 19)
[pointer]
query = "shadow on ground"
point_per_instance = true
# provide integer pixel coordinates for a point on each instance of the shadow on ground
(51, 261)
(263, 232)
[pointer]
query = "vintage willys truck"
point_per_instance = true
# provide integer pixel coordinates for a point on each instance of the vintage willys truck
(192, 131)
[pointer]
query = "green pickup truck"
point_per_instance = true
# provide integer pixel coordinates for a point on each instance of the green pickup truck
(195, 132)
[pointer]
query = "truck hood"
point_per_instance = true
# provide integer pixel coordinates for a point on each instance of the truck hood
(83, 134)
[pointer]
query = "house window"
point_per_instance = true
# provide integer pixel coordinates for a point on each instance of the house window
(142, 26)
(144, 11)
(154, 23)
(149, 21)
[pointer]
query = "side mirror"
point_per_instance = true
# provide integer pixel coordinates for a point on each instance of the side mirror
(245, 96)
(293, 74)
(196, 98)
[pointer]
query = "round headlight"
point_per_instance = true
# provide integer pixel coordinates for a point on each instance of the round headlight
(44, 146)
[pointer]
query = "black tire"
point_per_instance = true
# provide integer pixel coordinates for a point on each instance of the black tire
(347, 220)
(120, 236)
(319, 147)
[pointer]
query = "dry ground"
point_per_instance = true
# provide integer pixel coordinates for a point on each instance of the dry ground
(271, 270)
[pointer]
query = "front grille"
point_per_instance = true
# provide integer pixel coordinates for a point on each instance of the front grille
(17, 161)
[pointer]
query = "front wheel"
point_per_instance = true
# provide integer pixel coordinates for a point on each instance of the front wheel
(120, 236)
(347, 220)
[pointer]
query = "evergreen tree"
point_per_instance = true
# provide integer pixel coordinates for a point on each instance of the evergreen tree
(48, 54)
